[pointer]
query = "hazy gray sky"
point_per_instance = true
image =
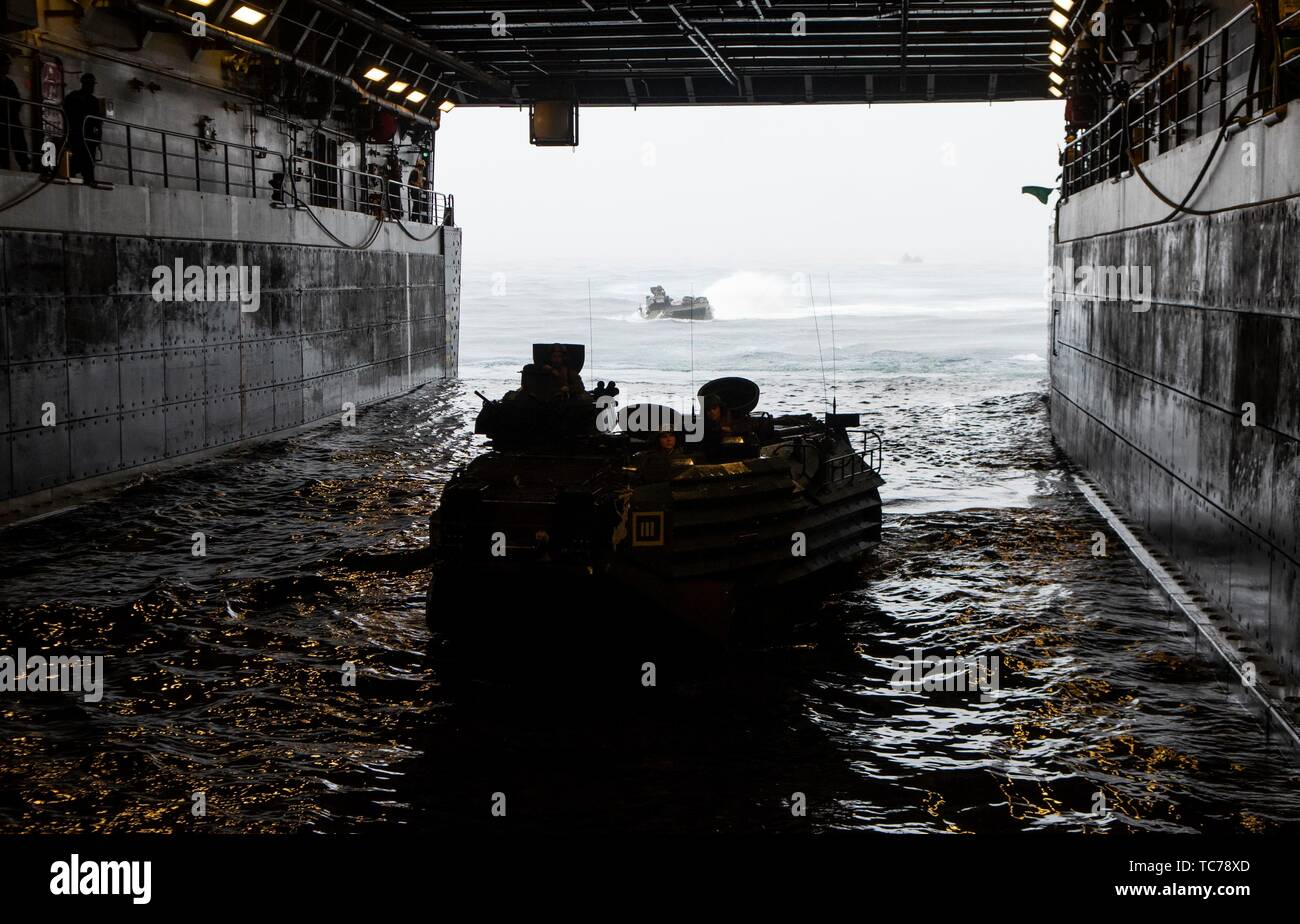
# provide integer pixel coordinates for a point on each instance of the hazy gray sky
(747, 186)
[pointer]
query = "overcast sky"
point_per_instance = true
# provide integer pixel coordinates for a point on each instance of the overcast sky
(746, 186)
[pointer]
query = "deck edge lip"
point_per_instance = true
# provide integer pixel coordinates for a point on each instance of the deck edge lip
(1193, 612)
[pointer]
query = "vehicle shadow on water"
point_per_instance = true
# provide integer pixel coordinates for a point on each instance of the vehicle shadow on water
(689, 740)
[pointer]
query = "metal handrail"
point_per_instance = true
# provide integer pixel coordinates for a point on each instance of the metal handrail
(142, 155)
(30, 149)
(844, 467)
(874, 456)
(1181, 59)
(1155, 113)
(351, 189)
(172, 162)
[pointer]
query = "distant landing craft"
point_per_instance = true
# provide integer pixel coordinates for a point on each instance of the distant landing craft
(658, 305)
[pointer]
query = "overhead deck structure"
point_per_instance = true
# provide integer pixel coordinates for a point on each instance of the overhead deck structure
(590, 52)
(759, 51)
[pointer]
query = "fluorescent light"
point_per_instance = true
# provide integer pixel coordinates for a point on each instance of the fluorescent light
(1055, 58)
(375, 73)
(1057, 46)
(1064, 4)
(1058, 19)
(397, 86)
(201, 2)
(1056, 78)
(1055, 92)
(447, 105)
(248, 15)
(416, 96)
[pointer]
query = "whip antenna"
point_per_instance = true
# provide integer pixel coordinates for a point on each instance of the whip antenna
(691, 321)
(820, 358)
(834, 371)
(591, 337)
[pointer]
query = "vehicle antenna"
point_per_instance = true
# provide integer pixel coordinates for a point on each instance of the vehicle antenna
(834, 371)
(591, 337)
(690, 319)
(816, 327)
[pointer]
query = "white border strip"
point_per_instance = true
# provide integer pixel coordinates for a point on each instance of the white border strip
(1190, 608)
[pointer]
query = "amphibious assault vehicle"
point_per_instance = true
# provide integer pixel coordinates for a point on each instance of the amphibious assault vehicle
(581, 514)
(659, 305)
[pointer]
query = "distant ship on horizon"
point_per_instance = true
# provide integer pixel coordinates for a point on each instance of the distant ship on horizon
(908, 258)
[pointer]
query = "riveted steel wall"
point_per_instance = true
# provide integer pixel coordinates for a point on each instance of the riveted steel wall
(1188, 412)
(99, 377)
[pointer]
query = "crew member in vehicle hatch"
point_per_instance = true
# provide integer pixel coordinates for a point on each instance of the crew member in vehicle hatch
(566, 379)
(656, 463)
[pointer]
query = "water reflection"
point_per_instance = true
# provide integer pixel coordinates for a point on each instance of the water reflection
(225, 673)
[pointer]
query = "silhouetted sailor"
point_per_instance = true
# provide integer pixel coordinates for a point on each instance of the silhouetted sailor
(419, 184)
(12, 138)
(82, 108)
(394, 187)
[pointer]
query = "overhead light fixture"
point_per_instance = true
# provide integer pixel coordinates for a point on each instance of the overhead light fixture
(1055, 58)
(375, 73)
(1057, 46)
(415, 96)
(1056, 78)
(1055, 92)
(248, 15)
(447, 105)
(201, 2)
(1064, 4)
(1058, 19)
(397, 86)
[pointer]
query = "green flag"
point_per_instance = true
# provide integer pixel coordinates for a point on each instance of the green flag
(1039, 192)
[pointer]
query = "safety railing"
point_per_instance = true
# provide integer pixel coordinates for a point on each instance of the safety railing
(846, 467)
(133, 154)
(372, 192)
(1196, 93)
(849, 466)
(873, 446)
(25, 126)
(137, 155)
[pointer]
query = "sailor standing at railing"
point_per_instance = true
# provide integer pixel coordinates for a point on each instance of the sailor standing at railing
(394, 187)
(419, 192)
(12, 138)
(82, 109)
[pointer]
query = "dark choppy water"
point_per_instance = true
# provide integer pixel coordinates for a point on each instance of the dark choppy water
(224, 671)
